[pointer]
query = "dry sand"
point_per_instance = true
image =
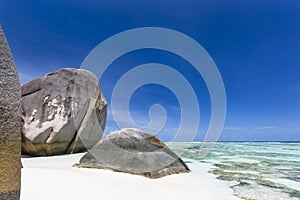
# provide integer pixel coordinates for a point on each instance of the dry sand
(54, 178)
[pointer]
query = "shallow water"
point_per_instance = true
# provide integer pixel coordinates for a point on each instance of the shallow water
(258, 171)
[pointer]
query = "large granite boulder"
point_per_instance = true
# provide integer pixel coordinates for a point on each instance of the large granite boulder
(10, 125)
(134, 151)
(64, 112)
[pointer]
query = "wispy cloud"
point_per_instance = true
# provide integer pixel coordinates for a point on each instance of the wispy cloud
(294, 123)
(233, 128)
(264, 127)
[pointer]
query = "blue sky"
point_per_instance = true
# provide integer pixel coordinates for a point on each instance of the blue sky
(255, 45)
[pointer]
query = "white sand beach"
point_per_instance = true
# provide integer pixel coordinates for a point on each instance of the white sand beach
(49, 178)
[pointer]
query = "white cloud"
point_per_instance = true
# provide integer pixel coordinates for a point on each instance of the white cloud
(233, 128)
(264, 127)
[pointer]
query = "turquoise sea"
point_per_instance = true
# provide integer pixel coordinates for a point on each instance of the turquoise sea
(257, 170)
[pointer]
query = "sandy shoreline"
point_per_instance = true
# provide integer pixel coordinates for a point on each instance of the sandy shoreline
(49, 178)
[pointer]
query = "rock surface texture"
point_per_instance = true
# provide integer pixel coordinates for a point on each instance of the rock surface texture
(134, 151)
(10, 125)
(63, 112)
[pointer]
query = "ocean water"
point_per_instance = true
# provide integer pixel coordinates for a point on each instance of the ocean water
(257, 170)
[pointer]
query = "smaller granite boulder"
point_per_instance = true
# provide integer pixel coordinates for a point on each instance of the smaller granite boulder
(134, 151)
